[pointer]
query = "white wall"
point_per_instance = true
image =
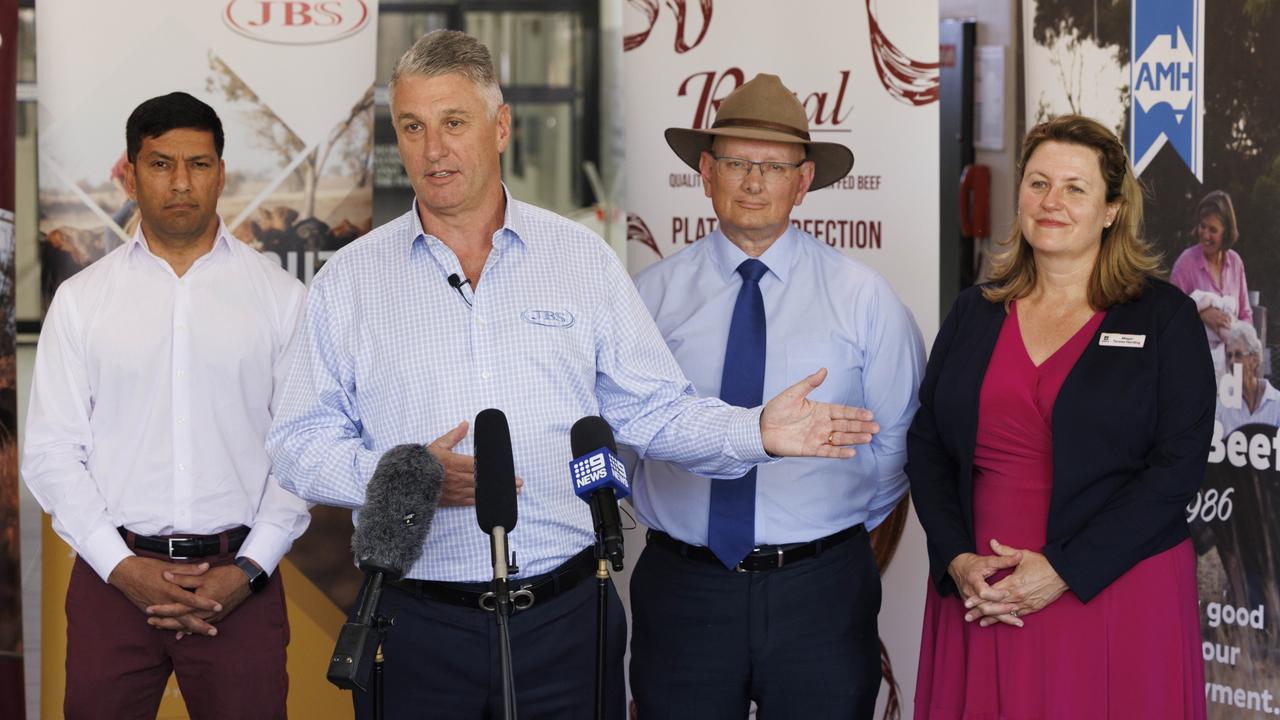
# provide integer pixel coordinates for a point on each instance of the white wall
(905, 582)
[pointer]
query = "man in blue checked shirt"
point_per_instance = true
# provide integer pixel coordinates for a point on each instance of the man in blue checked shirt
(540, 321)
(763, 588)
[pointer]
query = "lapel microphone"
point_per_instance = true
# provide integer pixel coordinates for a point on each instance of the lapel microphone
(456, 282)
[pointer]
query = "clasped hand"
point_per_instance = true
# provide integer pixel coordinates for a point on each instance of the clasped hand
(185, 598)
(1031, 587)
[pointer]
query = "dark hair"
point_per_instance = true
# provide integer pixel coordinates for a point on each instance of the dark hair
(174, 111)
(1124, 261)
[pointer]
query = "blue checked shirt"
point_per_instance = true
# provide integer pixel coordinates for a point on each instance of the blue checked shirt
(823, 309)
(389, 353)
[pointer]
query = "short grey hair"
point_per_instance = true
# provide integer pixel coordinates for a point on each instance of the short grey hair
(444, 52)
(1243, 332)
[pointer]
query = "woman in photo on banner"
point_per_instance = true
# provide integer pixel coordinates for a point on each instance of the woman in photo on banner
(1213, 274)
(1064, 423)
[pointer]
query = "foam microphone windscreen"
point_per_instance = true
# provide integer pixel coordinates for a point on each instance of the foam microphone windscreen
(495, 472)
(399, 503)
(591, 433)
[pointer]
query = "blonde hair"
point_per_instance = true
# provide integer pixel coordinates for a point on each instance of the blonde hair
(1124, 261)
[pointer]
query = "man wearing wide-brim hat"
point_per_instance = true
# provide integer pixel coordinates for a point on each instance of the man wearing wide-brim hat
(764, 588)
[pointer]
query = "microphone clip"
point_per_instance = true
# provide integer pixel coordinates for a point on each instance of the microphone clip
(456, 282)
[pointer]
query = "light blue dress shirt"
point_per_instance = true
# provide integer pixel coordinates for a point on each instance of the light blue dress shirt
(823, 309)
(389, 353)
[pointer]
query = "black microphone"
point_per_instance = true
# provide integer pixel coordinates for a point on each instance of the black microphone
(599, 478)
(495, 485)
(456, 282)
(399, 503)
(496, 514)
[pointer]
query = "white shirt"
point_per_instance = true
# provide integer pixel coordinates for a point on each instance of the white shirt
(1268, 412)
(151, 399)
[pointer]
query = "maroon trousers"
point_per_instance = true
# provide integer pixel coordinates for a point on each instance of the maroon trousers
(118, 665)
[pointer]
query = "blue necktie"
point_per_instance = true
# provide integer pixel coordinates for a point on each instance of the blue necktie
(731, 523)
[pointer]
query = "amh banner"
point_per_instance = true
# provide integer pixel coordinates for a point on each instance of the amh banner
(1185, 82)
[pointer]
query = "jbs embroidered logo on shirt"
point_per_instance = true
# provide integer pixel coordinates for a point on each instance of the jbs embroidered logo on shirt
(548, 318)
(1122, 340)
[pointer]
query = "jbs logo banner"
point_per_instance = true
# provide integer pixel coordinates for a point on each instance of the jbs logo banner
(294, 22)
(1167, 80)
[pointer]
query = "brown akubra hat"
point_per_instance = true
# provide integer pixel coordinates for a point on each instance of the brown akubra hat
(764, 109)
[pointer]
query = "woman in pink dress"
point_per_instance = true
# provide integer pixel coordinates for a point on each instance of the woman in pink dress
(1064, 424)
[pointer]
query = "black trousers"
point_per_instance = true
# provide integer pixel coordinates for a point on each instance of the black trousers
(800, 641)
(442, 661)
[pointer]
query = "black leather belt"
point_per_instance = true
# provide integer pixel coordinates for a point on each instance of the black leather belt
(539, 588)
(764, 557)
(186, 547)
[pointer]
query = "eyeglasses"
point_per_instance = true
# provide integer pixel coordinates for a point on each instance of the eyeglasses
(1241, 354)
(732, 168)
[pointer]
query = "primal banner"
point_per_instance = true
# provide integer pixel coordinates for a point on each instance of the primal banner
(293, 84)
(868, 77)
(867, 73)
(1186, 82)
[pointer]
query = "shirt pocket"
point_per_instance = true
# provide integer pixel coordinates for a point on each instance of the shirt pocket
(843, 385)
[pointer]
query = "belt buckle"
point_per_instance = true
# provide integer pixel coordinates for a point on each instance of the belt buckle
(739, 568)
(171, 541)
(782, 560)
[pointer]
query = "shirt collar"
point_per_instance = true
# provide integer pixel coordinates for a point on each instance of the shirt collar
(1202, 264)
(1270, 393)
(777, 258)
(220, 242)
(513, 225)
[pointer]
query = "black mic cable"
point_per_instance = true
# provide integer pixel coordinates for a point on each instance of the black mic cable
(456, 282)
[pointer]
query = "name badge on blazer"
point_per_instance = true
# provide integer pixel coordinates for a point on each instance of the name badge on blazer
(1122, 340)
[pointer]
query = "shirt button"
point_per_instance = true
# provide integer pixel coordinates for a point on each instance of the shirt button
(485, 375)
(182, 468)
(181, 420)
(182, 373)
(181, 328)
(480, 322)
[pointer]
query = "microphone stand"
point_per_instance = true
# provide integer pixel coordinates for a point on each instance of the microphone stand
(501, 607)
(602, 625)
(378, 707)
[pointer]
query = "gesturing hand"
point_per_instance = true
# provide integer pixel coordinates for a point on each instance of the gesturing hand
(792, 425)
(459, 486)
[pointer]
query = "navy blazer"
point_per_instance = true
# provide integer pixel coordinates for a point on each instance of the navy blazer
(1131, 432)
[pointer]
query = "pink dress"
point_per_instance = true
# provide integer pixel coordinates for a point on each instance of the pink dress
(1132, 652)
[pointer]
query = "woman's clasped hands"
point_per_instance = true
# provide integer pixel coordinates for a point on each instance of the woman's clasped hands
(1029, 588)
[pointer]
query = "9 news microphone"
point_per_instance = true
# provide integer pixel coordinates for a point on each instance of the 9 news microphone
(495, 491)
(600, 479)
(399, 504)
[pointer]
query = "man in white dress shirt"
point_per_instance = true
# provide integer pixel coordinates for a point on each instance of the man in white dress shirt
(155, 381)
